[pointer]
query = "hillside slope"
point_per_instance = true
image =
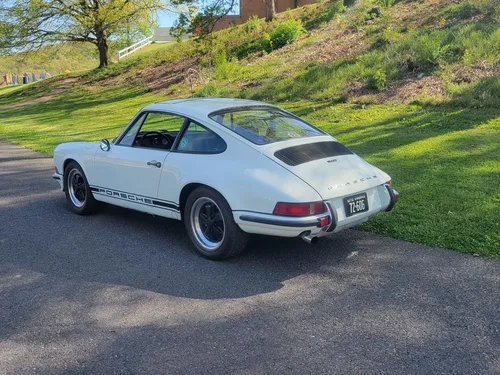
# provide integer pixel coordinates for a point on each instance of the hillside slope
(413, 88)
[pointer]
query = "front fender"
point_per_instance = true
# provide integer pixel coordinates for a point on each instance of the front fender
(81, 152)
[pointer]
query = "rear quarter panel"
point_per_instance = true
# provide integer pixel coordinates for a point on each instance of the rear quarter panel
(247, 179)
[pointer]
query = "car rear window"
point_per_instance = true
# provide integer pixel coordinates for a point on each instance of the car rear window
(263, 126)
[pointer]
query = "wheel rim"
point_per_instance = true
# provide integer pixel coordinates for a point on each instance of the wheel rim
(76, 188)
(207, 223)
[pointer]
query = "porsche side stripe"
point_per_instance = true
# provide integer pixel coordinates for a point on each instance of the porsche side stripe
(126, 196)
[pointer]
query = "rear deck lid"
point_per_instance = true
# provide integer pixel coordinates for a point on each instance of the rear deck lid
(328, 166)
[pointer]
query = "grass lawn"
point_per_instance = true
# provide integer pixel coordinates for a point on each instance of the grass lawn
(444, 160)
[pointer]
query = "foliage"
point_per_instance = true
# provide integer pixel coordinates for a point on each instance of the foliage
(386, 3)
(285, 33)
(30, 24)
(54, 58)
(312, 18)
(197, 20)
(378, 80)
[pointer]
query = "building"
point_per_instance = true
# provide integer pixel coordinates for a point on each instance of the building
(249, 8)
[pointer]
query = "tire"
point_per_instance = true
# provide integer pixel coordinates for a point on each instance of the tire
(78, 195)
(203, 224)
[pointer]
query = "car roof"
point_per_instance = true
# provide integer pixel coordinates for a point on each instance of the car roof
(202, 107)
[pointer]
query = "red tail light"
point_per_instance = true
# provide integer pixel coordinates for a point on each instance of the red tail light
(299, 209)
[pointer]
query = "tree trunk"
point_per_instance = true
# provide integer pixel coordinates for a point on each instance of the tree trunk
(270, 10)
(103, 46)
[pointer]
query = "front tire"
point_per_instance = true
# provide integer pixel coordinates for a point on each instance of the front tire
(78, 194)
(210, 225)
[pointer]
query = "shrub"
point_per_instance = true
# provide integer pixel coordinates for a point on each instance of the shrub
(253, 24)
(223, 68)
(251, 47)
(285, 33)
(377, 81)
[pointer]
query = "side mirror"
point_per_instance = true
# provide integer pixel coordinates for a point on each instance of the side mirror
(105, 146)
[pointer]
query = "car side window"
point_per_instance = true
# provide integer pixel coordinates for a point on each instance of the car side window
(199, 140)
(155, 130)
(129, 137)
(162, 122)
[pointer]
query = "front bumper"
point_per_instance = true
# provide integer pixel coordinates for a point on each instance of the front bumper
(381, 198)
(59, 178)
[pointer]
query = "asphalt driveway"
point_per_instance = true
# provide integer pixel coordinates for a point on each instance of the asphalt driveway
(123, 292)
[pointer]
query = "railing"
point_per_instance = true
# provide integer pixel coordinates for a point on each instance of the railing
(134, 47)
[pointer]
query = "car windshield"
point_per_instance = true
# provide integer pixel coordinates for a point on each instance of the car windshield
(263, 126)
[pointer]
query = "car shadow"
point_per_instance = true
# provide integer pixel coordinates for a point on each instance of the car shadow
(124, 247)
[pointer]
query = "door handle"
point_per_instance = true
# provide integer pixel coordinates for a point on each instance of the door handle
(157, 164)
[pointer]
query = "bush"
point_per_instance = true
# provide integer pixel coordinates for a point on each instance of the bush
(223, 68)
(251, 47)
(285, 33)
(377, 81)
(253, 24)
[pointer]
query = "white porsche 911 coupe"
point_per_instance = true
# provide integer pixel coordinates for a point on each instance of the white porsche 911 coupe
(227, 168)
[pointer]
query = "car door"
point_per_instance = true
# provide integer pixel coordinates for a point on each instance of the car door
(129, 173)
(194, 159)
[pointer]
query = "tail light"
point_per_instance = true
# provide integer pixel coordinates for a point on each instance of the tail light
(299, 209)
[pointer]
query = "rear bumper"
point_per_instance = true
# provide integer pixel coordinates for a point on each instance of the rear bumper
(381, 198)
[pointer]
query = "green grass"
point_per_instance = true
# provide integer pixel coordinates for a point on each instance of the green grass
(443, 153)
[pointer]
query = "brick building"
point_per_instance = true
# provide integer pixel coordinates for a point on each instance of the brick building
(249, 8)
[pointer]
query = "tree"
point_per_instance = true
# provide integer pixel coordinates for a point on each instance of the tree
(270, 10)
(199, 17)
(30, 24)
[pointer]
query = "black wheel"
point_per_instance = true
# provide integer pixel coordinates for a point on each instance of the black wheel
(78, 195)
(210, 225)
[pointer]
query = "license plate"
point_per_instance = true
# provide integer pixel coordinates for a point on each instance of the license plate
(355, 204)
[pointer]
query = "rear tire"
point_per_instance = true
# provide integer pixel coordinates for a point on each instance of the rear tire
(210, 225)
(78, 194)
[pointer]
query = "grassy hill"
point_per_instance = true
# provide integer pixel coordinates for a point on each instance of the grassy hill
(56, 59)
(413, 87)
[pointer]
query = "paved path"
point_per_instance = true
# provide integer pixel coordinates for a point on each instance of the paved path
(122, 292)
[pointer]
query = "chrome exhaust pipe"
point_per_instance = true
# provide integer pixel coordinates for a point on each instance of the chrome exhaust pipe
(311, 240)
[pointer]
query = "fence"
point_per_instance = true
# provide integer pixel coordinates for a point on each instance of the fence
(134, 47)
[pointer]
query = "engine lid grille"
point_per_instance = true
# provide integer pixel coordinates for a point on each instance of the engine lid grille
(301, 154)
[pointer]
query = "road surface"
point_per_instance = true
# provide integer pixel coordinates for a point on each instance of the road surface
(122, 292)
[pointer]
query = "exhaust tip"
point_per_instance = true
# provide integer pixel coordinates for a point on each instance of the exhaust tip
(308, 238)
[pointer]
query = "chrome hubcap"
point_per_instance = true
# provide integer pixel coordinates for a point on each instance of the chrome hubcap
(76, 188)
(207, 223)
